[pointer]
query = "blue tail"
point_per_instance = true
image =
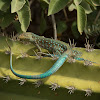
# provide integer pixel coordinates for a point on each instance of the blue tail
(52, 70)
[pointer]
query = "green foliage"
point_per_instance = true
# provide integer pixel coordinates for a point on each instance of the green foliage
(4, 4)
(86, 7)
(56, 5)
(47, 1)
(6, 18)
(93, 29)
(81, 18)
(71, 7)
(44, 5)
(17, 26)
(61, 26)
(24, 16)
(91, 4)
(43, 25)
(75, 30)
(83, 7)
(96, 2)
(21, 7)
(77, 2)
(17, 5)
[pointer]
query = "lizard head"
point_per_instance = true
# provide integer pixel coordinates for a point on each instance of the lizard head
(28, 36)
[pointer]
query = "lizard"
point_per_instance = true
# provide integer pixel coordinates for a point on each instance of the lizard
(55, 46)
(58, 47)
(62, 49)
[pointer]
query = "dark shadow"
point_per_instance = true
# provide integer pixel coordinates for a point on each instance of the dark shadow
(43, 92)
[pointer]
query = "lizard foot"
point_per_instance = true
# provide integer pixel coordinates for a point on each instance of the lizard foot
(54, 86)
(88, 92)
(88, 63)
(71, 60)
(71, 89)
(22, 81)
(6, 79)
(38, 83)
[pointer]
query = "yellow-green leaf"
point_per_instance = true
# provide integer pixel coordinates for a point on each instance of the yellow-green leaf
(91, 4)
(4, 4)
(17, 5)
(81, 18)
(56, 5)
(86, 7)
(17, 26)
(96, 2)
(24, 16)
(77, 2)
(47, 1)
(6, 18)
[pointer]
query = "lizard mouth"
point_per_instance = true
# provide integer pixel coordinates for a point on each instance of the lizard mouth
(21, 37)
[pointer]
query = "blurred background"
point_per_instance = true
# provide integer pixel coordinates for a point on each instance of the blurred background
(42, 16)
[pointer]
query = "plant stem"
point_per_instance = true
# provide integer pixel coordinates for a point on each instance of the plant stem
(66, 17)
(54, 26)
(98, 15)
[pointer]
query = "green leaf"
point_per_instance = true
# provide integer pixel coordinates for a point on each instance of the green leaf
(77, 2)
(4, 4)
(91, 4)
(92, 29)
(43, 25)
(24, 16)
(61, 26)
(56, 5)
(47, 1)
(6, 18)
(86, 7)
(17, 26)
(17, 5)
(71, 7)
(81, 18)
(75, 30)
(43, 4)
(96, 2)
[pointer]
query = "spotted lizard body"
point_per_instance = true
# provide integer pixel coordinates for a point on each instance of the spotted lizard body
(56, 46)
(51, 45)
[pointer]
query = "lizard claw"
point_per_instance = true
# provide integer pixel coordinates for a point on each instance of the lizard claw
(38, 83)
(22, 81)
(6, 79)
(87, 63)
(38, 56)
(23, 55)
(54, 86)
(88, 92)
(71, 89)
(71, 60)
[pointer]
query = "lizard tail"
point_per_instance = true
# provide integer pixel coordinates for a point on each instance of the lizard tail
(52, 70)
